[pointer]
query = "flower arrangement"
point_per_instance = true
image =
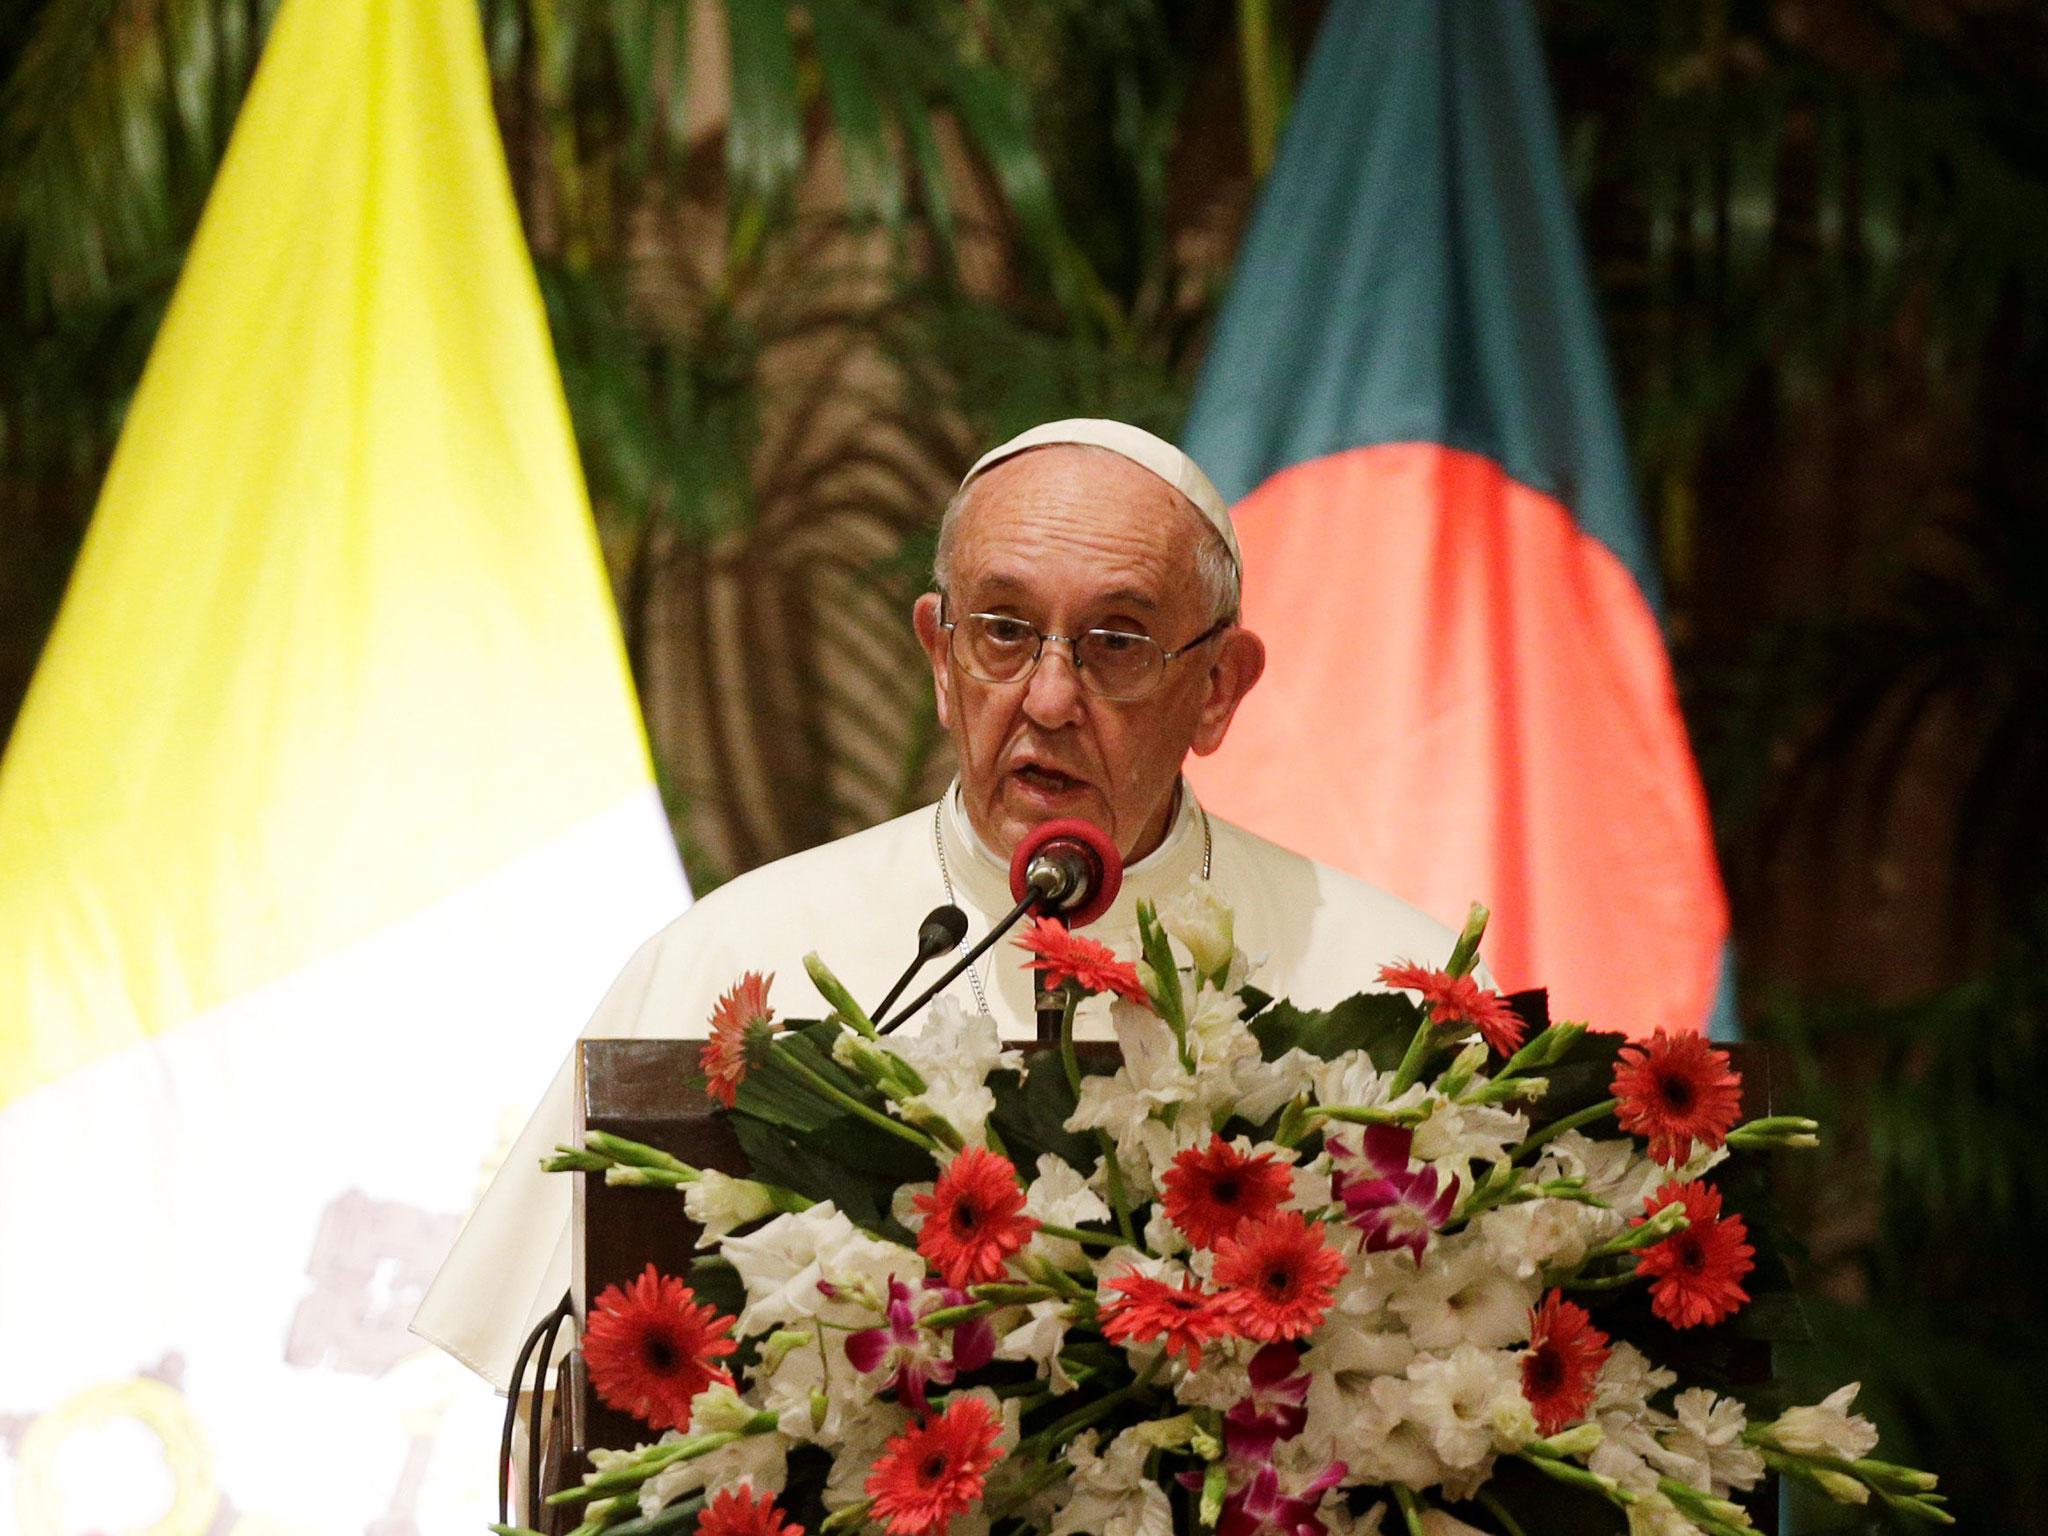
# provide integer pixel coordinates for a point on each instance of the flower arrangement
(1423, 1263)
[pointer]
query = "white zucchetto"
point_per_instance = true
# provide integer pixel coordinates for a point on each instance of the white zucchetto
(1141, 448)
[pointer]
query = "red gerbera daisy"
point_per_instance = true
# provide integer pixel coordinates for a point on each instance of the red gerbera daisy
(741, 1019)
(935, 1470)
(1676, 1089)
(1695, 1275)
(1565, 1355)
(1063, 955)
(975, 1218)
(1212, 1190)
(1145, 1309)
(649, 1348)
(1459, 1000)
(1277, 1277)
(742, 1512)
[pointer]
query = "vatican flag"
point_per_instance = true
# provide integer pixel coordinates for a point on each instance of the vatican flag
(326, 822)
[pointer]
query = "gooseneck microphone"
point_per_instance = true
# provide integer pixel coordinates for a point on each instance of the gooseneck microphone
(1074, 868)
(1067, 869)
(1076, 871)
(944, 927)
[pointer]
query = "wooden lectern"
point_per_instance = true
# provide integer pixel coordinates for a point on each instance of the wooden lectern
(649, 1091)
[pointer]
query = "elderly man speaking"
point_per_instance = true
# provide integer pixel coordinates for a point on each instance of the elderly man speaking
(1083, 640)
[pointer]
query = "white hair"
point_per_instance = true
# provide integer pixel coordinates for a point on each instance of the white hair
(1215, 572)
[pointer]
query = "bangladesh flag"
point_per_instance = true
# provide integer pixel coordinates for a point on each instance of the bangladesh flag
(1467, 694)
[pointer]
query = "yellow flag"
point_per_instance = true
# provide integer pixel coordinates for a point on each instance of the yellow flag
(327, 817)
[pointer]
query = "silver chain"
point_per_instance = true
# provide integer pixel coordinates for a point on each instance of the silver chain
(946, 876)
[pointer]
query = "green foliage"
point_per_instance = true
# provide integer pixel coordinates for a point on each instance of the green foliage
(1936, 1103)
(1378, 1023)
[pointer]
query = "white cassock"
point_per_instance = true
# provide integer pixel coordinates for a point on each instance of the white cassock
(1313, 934)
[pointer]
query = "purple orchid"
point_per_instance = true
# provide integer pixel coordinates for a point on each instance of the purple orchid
(914, 1356)
(1261, 1509)
(1393, 1206)
(1273, 1411)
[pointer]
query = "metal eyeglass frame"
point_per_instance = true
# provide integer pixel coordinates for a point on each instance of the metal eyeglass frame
(1081, 673)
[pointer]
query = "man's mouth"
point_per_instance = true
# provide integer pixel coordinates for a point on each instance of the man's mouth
(1046, 781)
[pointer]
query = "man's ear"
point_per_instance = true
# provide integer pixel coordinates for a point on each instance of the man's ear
(924, 619)
(1240, 661)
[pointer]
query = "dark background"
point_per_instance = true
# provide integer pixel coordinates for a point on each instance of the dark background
(801, 260)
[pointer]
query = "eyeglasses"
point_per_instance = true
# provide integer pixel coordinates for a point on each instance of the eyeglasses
(1112, 663)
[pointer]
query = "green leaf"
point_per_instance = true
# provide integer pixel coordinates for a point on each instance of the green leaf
(993, 112)
(774, 1095)
(1031, 1114)
(764, 141)
(874, 181)
(855, 1167)
(1378, 1023)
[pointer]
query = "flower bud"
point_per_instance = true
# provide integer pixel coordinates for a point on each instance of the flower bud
(1826, 1428)
(1775, 1131)
(1467, 1062)
(719, 1203)
(1215, 1483)
(834, 992)
(776, 1347)
(1205, 925)
(1839, 1486)
(718, 1409)
(1579, 1440)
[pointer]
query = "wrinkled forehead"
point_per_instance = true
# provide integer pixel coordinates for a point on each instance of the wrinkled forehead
(1078, 516)
(1154, 455)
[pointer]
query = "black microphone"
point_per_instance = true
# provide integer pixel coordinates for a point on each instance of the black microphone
(943, 928)
(1068, 868)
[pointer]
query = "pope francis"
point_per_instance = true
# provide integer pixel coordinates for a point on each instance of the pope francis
(1083, 639)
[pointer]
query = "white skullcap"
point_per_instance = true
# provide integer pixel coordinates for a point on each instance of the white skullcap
(1142, 449)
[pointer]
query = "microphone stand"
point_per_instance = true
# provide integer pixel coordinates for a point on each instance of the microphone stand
(1049, 1006)
(972, 955)
(943, 928)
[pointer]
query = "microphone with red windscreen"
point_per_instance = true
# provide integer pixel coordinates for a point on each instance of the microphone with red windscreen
(1068, 870)
(1071, 866)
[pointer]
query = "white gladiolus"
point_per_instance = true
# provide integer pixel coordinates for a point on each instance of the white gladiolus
(718, 1203)
(1038, 1339)
(855, 1454)
(1263, 1086)
(954, 1052)
(782, 1263)
(1456, 1136)
(1709, 1435)
(1525, 1237)
(1826, 1428)
(1339, 1521)
(1390, 1448)
(1342, 1365)
(1460, 1401)
(1109, 1495)
(1412, 1377)
(1217, 1033)
(1461, 1297)
(1655, 1515)
(1204, 925)
(1614, 1170)
(1628, 1379)
(718, 1410)
(759, 1462)
(1352, 1079)
(1061, 1196)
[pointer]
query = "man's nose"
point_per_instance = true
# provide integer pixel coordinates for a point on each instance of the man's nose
(1052, 694)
